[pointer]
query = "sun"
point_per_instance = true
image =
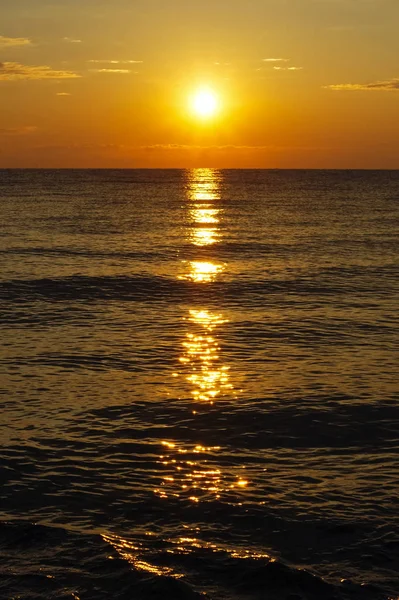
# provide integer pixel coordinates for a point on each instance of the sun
(204, 103)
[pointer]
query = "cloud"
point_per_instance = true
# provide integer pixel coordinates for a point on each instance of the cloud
(82, 146)
(174, 150)
(63, 94)
(288, 68)
(112, 69)
(276, 59)
(116, 62)
(6, 42)
(385, 86)
(184, 147)
(72, 40)
(154, 147)
(281, 60)
(11, 71)
(23, 130)
(120, 71)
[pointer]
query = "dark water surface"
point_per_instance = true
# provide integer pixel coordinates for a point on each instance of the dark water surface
(199, 385)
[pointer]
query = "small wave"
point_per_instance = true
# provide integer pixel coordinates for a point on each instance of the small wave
(45, 562)
(91, 254)
(150, 288)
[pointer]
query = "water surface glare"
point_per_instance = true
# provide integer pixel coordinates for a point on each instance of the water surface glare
(199, 390)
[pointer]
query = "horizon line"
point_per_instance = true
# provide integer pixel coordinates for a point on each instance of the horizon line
(203, 167)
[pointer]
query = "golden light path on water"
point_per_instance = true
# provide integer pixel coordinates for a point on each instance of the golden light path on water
(208, 377)
(203, 271)
(201, 351)
(194, 472)
(202, 196)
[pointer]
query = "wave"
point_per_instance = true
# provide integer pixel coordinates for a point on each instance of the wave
(342, 422)
(43, 562)
(93, 254)
(150, 288)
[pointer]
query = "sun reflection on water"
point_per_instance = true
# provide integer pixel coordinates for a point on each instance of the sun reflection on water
(203, 185)
(201, 363)
(204, 236)
(203, 271)
(207, 319)
(201, 359)
(131, 552)
(205, 215)
(203, 196)
(193, 473)
(144, 552)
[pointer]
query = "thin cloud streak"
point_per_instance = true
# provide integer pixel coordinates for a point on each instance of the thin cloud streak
(116, 62)
(120, 71)
(171, 147)
(385, 86)
(6, 42)
(278, 67)
(177, 147)
(24, 130)
(276, 59)
(12, 71)
(288, 68)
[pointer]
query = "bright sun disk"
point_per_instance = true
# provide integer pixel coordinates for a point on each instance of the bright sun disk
(205, 103)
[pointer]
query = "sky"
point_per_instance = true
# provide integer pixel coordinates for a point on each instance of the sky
(299, 83)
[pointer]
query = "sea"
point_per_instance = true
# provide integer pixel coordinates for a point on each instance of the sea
(199, 385)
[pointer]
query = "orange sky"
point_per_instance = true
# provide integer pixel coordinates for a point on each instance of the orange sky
(301, 83)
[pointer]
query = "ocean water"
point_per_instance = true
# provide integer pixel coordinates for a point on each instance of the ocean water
(199, 389)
